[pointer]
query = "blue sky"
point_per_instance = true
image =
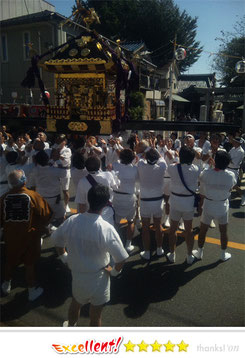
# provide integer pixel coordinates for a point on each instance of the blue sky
(213, 16)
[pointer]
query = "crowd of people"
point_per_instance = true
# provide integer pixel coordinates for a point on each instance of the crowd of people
(143, 179)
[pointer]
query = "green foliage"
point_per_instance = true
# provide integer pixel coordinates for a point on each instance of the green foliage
(231, 44)
(154, 22)
(137, 105)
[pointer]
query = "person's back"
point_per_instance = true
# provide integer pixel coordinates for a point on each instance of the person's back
(127, 175)
(217, 184)
(90, 241)
(151, 178)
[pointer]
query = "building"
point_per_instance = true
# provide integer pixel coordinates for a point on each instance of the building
(28, 27)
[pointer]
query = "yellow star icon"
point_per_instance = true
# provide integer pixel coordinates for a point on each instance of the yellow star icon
(182, 346)
(129, 346)
(169, 346)
(156, 346)
(143, 346)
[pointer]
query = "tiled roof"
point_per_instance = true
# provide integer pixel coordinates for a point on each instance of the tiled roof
(45, 15)
(133, 46)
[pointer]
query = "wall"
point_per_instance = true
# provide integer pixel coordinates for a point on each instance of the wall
(14, 8)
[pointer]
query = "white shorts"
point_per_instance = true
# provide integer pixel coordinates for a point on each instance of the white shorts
(124, 206)
(151, 208)
(176, 215)
(58, 209)
(91, 288)
(218, 210)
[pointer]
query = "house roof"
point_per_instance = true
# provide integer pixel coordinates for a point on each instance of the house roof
(45, 15)
(208, 78)
(133, 46)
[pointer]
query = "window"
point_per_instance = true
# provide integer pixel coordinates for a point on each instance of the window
(4, 48)
(26, 41)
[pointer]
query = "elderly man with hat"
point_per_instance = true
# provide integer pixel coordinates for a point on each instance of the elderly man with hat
(237, 155)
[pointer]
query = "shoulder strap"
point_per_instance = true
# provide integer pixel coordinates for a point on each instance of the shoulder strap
(183, 180)
(91, 180)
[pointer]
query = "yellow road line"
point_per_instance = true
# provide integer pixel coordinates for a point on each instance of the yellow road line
(210, 240)
(234, 245)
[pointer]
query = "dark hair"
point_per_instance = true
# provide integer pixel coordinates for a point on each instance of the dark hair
(152, 156)
(12, 157)
(41, 158)
(215, 136)
(78, 160)
(132, 141)
(98, 197)
(92, 164)
(222, 159)
(126, 156)
(186, 155)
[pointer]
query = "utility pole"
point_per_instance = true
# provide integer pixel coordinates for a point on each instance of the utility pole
(170, 100)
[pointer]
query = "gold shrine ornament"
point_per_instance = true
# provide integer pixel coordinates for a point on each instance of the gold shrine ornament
(85, 52)
(73, 52)
(78, 126)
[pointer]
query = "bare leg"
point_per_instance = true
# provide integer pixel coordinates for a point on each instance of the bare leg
(189, 239)
(74, 312)
(146, 233)
(95, 313)
(130, 230)
(223, 236)
(66, 197)
(202, 235)
(172, 235)
(158, 232)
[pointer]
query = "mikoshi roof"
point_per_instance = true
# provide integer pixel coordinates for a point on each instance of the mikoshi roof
(84, 54)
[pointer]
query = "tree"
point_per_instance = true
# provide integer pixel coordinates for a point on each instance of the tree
(231, 50)
(155, 22)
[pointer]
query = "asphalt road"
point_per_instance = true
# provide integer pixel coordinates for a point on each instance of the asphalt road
(209, 293)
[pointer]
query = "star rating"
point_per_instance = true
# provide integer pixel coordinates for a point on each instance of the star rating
(169, 346)
(156, 347)
(142, 346)
(182, 346)
(129, 346)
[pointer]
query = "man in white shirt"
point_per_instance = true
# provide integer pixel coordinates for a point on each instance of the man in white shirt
(170, 156)
(46, 181)
(216, 185)
(92, 164)
(90, 241)
(151, 178)
(64, 161)
(124, 198)
(111, 151)
(237, 155)
(182, 200)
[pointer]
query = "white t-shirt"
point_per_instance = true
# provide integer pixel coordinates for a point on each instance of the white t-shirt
(206, 146)
(237, 155)
(46, 180)
(151, 178)
(127, 175)
(90, 241)
(191, 174)
(216, 184)
(77, 174)
(104, 178)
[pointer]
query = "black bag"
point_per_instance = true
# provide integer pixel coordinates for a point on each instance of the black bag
(197, 197)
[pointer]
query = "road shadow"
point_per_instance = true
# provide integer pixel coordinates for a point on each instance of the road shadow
(157, 282)
(55, 279)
